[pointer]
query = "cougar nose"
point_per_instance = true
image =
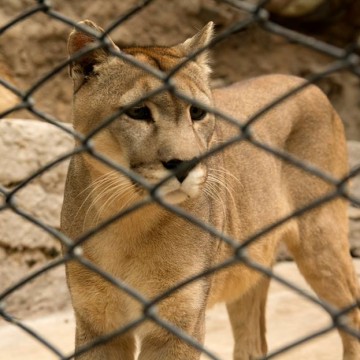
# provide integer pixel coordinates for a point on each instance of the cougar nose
(174, 165)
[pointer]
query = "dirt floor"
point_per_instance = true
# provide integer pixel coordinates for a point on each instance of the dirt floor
(289, 317)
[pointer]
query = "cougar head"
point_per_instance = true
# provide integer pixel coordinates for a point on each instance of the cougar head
(157, 136)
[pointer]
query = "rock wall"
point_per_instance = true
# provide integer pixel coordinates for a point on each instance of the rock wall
(25, 146)
(7, 98)
(33, 47)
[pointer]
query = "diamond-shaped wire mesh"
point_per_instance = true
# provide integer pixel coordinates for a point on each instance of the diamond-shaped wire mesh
(256, 14)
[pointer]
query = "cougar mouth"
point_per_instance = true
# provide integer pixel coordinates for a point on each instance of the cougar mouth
(177, 188)
(175, 197)
(175, 191)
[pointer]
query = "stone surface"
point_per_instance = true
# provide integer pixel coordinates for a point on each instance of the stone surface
(294, 8)
(7, 98)
(32, 48)
(26, 146)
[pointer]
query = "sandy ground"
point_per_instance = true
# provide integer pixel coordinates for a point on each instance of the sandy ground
(289, 317)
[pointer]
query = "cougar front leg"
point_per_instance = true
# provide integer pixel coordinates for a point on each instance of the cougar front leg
(99, 310)
(158, 343)
(119, 348)
(247, 317)
(164, 347)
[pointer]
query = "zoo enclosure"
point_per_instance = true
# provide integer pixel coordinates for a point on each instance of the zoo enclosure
(344, 59)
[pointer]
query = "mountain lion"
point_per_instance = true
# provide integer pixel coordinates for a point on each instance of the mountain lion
(238, 191)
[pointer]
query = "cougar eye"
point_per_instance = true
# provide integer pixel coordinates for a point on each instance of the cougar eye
(197, 113)
(139, 113)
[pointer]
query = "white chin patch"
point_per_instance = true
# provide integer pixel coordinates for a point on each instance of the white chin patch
(175, 197)
(174, 193)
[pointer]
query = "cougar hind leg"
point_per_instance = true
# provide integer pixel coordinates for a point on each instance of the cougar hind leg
(247, 317)
(322, 254)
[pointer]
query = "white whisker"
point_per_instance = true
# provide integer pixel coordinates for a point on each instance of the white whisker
(227, 172)
(95, 185)
(213, 190)
(120, 191)
(221, 183)
(109, 188)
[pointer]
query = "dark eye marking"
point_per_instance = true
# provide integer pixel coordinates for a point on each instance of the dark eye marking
(197, 113)
(139, 113)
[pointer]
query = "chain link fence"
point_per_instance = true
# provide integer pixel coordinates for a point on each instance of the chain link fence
(344, 59)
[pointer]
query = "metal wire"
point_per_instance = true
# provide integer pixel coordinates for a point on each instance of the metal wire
(344, 59)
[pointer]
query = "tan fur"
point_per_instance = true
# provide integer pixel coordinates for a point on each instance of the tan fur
(239, 191)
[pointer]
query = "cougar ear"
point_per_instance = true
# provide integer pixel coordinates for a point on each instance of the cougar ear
(200, 40)
(83, 67)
